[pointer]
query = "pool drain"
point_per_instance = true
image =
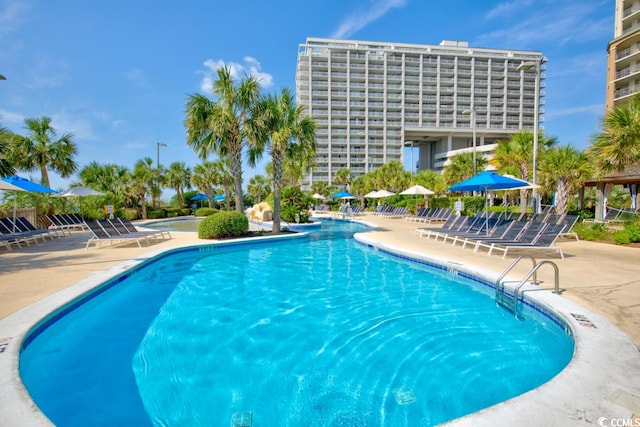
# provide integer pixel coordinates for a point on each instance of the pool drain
(242, 419)
(404, 395)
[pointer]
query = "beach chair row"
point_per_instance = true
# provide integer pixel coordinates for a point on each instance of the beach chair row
(499, 234)
(121, 230)
(430, 215)
(391, 211)
(19, 230)
(66, 221)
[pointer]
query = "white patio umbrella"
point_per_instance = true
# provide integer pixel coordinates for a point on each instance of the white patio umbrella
(371, 195)
(9, 187)
(415, 190)
(384, 193)
(78, 191)
(318, 196)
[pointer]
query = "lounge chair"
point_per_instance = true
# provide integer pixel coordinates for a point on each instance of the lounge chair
(543, 242)
(99, 235)
(9, 227)
(454, 222)
(529, 236)
(126, 227)
(131, 228)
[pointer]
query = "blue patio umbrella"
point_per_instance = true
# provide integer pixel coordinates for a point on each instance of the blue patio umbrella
(219, 198)
(487, 181)
(344, 194)
(199, 197)
(24, 185)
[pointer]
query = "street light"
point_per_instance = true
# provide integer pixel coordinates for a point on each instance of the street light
(160, 144)
(527, 65)
(472, 112)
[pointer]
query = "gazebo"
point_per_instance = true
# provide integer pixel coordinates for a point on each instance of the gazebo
(629, 177)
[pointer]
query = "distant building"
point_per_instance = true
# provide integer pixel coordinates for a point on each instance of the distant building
(373, 99)
(623, 59)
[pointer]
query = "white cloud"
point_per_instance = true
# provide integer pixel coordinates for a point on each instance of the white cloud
(555, 23)
(360, 19)
(11, 119)
(251, 66)
(137, 77)
(507, 8)
(13, 14)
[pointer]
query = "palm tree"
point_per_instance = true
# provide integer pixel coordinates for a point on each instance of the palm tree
(41, 150)
(6, 141)
(342, 177)
(430, 179)
(179, 178)
(461, 167)
(283, 127)
(142, 181)
(565, 169)
(515, 156)
(206, 177)
(391, 176)
(221, 170)
(618, 145)
(259, 187)
(219, 126)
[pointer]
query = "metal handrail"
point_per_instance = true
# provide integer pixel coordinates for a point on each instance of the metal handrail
(513, 264)
(533, 272)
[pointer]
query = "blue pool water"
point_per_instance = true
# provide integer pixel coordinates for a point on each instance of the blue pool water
(320, 331)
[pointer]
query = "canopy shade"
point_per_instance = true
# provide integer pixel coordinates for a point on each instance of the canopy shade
(417, 189)
(343, 195)
(78, 191)
(9, 187)
(486, 181)
(26, 185)
(199, 197)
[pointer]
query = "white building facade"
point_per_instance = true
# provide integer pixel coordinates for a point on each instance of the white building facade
(370, 100)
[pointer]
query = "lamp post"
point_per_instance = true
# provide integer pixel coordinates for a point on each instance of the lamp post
(160, 144)
(526, 65)
(472, 112)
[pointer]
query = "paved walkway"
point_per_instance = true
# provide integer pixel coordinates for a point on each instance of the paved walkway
(602, 277)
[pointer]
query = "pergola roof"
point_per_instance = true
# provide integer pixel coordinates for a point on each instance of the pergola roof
(630, 175)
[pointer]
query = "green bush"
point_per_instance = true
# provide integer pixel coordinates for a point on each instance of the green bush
(223, 224)
(630, 234)
(156, 213)
(592, 231)
(185, 211)
(206, 211)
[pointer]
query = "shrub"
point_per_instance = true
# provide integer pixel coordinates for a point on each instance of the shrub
(205, 211)
(223, 224)
(156, 213)
(592, 231)
(185, 211)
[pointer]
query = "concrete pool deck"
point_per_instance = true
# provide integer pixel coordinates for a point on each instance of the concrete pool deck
(602, 381)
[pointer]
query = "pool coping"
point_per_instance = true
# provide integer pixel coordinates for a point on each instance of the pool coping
(604, 371)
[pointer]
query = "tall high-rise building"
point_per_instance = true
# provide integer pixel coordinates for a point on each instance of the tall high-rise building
(371, 100)
(623, 59)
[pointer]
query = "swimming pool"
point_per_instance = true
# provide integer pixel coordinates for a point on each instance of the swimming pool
(337, 334)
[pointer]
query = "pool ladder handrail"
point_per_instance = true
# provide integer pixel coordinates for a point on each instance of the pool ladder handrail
(510, 301)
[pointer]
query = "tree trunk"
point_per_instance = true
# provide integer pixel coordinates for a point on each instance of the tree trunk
(276, 158)
(143, 206)
(236, 172)
(562, 194)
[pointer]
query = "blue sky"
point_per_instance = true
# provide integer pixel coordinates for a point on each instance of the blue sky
(116, 74)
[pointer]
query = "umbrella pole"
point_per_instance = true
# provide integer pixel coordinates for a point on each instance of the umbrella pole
(15, 210)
